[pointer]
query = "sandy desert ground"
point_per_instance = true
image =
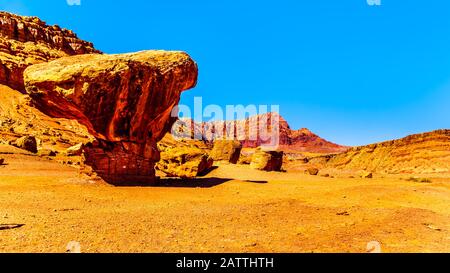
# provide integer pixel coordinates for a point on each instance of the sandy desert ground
(44, 205)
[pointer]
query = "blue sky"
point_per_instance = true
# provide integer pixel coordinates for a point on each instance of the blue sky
(353, 73)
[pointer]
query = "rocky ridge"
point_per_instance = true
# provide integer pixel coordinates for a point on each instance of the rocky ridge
(419, 154)
(424, 153)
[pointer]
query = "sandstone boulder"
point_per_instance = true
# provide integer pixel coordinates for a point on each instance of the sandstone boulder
(312, 171)
(28, 40)
(27, 143)
(124, 100)
(184, 162)
(267, 160)
(183, 158)
(226, 151)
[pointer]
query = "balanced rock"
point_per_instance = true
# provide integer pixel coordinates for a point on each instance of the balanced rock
(28, 40)
(28, 143)
(184, 162)
(270, 161)
(226, 151)
(124, 100)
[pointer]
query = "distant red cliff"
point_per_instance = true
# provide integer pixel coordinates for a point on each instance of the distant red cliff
(302, 140)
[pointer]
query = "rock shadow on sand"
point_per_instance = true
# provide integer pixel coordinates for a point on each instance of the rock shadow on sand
(200, 182)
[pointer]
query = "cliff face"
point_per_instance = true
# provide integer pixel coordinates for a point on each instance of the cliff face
(124, 100)
(259, 130)
(415, 154)
(28, 40)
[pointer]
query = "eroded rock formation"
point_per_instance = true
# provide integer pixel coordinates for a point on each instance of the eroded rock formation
(28, 40)
(124, 100)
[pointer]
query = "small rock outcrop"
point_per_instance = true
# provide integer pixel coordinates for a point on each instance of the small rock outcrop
(226, 151)
(28, 143)
(271, 161)
(28, 40)
(124, 100)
